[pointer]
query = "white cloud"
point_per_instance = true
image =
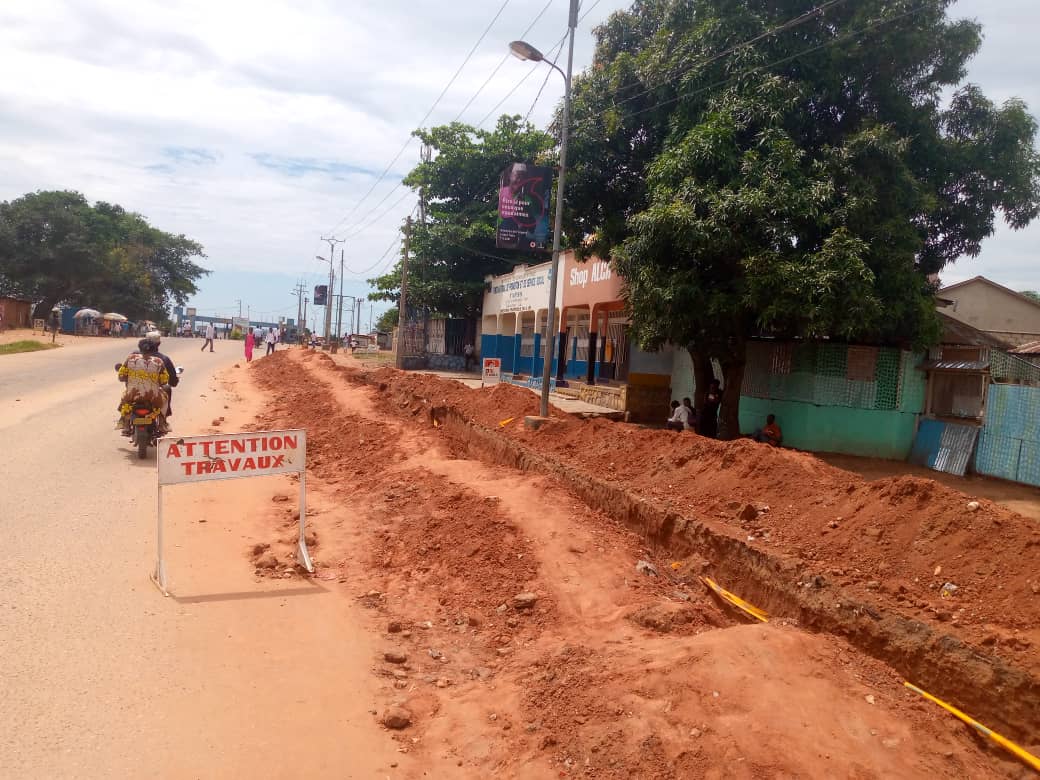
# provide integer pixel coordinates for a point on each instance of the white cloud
(253, 127)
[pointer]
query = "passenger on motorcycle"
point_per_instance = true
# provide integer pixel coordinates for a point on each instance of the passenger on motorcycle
(149, 376)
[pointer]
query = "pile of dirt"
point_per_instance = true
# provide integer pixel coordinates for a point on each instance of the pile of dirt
(460, 546)
(686, 709)
(898, 542)
(658, 683)
(906, 538)
(490, 407)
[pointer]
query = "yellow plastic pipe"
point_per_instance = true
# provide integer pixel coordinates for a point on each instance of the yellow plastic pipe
(736, 601)
(1004, 742)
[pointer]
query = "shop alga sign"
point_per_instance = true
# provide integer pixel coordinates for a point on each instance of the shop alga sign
(596, 271)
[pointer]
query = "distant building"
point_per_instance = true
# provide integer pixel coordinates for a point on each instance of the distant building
(16, 313)
(1004, 314)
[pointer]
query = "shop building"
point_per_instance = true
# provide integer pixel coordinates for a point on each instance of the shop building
(593, 358)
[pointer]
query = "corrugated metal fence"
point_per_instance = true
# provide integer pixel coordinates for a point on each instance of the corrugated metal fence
(1009, 445)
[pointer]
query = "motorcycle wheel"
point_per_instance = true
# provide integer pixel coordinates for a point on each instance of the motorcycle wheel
(142, 442)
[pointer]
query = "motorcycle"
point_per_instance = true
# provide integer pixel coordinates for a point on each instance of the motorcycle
(141, 417)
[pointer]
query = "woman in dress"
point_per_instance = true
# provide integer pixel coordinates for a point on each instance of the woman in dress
(249, 345)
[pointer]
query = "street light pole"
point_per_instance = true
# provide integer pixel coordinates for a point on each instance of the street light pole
(527, 52)
(332, 284)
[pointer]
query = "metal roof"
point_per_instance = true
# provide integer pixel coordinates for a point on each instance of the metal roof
(1032, 348)
(956, 365)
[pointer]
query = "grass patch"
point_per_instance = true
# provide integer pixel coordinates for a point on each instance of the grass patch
(27, 345)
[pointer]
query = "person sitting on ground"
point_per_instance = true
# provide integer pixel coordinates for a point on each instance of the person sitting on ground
(771, 434)
(691, 415)
(679, 421)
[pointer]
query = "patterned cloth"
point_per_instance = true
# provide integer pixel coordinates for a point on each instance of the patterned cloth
(144, 375)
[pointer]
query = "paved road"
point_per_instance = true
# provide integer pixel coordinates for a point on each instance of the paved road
(75, 535)
(102, 677)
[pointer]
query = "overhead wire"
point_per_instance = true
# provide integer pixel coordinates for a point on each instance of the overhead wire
(840, 39)
(393, 206)
(790, 24)
(361, 273)
(502, 62)
(422, 121)
(531, 72)
(469, 103)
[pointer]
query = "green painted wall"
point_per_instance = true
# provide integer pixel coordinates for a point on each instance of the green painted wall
(819, 427)
(870, 432)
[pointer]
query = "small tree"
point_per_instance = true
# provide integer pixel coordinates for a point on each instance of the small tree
(454, 249)
(387, 321)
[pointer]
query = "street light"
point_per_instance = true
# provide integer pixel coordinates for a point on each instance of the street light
(527, 52)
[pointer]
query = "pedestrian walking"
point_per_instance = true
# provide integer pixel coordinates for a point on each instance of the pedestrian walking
(271, 338)
(467, 351)
(211, 332)
(250, 340)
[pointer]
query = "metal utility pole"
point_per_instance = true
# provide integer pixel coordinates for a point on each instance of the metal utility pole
(339, 317)
(298, 292)
(303, 322)
(332, 284)
(527, 52)
(402, 302)
(239, 301)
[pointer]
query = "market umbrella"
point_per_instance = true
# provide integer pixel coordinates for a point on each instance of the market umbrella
(113, 316)
(84, 313)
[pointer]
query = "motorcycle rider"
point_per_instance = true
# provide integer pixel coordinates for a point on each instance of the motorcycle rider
(153, 337)
(150, 375)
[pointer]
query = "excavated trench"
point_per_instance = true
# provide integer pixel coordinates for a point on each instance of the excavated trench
(1005, 697)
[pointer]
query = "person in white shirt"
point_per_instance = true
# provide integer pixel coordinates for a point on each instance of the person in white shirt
(211, 333)
(271, 338)
(680, 419)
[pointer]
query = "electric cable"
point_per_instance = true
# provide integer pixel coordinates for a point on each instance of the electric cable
(423, 120)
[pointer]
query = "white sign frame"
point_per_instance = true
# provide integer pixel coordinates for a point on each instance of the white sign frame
(491, 372)
(202, 459)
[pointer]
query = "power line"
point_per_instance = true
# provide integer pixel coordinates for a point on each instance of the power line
(427, 116)
(393, 206)
(549, 72)
(469, 103)
(788, 25)
(840, 39)
(363, 272)
(502, 62)
(534, 68)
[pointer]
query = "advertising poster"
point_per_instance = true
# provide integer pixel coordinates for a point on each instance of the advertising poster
(523, 207)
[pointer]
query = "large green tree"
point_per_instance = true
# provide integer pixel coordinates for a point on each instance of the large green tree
(802, 185)
(55, 247)
(454, 249)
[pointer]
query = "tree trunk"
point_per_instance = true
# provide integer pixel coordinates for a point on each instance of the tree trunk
(702, 375)
(732, 381)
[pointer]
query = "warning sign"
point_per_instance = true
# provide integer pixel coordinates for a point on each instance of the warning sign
(184, 459)
(492, 373)
(231, 455)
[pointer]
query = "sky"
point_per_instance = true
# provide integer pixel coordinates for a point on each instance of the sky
(258, 128)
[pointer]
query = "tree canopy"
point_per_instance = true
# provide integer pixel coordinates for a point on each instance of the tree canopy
(802, 185)
(387, 321)
(454, 249)
(55, 247)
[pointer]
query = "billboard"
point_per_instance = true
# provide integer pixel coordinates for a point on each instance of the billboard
(321, 295)
(523, 207)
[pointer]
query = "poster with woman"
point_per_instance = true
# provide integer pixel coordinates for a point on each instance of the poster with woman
(523, 207)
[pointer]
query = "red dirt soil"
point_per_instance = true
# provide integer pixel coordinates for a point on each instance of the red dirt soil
(898, 540)
(613, 674)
